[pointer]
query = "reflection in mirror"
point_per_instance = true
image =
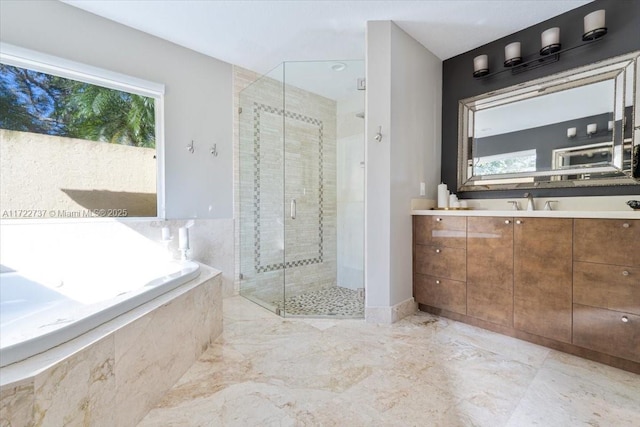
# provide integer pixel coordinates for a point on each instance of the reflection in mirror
(560, 130)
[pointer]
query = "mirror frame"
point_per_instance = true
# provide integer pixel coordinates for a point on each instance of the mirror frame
(611, 69)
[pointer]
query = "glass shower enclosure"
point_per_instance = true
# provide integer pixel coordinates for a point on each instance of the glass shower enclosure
(301, 189)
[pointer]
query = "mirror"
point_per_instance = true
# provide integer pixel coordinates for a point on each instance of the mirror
(574, 128)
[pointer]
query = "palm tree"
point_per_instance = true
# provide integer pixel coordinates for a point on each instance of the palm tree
(42, 103)
(101, 114)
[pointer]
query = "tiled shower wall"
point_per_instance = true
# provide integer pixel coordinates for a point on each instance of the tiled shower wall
(272, 115)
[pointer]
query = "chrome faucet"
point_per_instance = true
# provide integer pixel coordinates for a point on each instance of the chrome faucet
(530, 205)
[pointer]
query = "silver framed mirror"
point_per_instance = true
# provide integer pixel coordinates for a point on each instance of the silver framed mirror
(580, 127)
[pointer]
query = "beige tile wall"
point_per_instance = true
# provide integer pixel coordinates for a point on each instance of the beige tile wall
(272, 115)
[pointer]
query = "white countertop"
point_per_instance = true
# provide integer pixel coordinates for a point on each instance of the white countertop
(629, 214)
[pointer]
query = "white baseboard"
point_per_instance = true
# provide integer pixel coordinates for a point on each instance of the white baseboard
(390, 314)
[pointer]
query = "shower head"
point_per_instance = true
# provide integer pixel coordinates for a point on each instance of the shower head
(360, 115)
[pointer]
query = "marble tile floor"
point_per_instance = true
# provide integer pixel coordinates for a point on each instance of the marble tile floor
(334, 301)
(422, 371)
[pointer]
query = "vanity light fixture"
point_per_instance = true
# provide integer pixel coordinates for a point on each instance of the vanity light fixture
(594, 26)
(512, 54)
(480, 65)
(550, 40)
(594, 29)
(592, 128)
(571, 132)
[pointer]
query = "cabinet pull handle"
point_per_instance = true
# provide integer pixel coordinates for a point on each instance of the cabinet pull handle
(519, 222)
(625, 225)
(437, 251)
(506, 221)
(625, 273)
(438, 219)
(437, 282)
(625, 319)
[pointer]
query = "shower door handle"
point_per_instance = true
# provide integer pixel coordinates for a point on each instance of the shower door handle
(293, 208)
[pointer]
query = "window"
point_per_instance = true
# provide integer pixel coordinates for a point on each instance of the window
(77, 142)
(514, 162)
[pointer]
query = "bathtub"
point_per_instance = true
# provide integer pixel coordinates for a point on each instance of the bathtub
(39, 311)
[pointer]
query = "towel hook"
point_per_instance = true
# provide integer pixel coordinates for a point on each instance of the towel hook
(378, 136)
(190, 147)
(214, 150)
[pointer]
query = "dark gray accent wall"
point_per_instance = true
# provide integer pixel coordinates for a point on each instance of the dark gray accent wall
(623, 23)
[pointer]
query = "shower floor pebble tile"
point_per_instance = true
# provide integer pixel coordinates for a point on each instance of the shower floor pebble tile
(266, 370)
(333, 301)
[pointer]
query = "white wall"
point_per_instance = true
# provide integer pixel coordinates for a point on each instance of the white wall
(378, 166)
(404, 96)
(198, 93)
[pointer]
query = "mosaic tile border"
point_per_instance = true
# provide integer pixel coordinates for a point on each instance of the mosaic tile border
(258, 108)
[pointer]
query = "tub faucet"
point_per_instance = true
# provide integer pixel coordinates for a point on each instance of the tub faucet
(530, 205)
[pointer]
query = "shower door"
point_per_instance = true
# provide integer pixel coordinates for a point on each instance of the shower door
(309, 187)
(289, 185)
(261, 191)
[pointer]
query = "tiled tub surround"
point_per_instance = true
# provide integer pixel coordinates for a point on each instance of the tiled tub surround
(302, 135)
(38, 315)
(114, 374)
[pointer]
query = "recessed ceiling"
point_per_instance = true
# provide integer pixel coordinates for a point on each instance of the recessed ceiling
(259, 35)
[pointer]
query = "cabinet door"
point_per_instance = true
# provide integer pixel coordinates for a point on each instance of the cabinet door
(490, 269)
(450, 231)
(542, 277)
(607, 241)
(440, 293)
(607, 331)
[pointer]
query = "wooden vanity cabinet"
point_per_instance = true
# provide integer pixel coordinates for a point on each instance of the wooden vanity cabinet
(440, 262)
(542, 271)
(606, 286)
(490, 269)
(568, 284)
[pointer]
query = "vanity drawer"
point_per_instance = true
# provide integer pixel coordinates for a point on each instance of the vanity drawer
(607, 241)
(441, 261)
(607, 286)
(607, 331)
(440, 293)
(443, 230)
(550, 318)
